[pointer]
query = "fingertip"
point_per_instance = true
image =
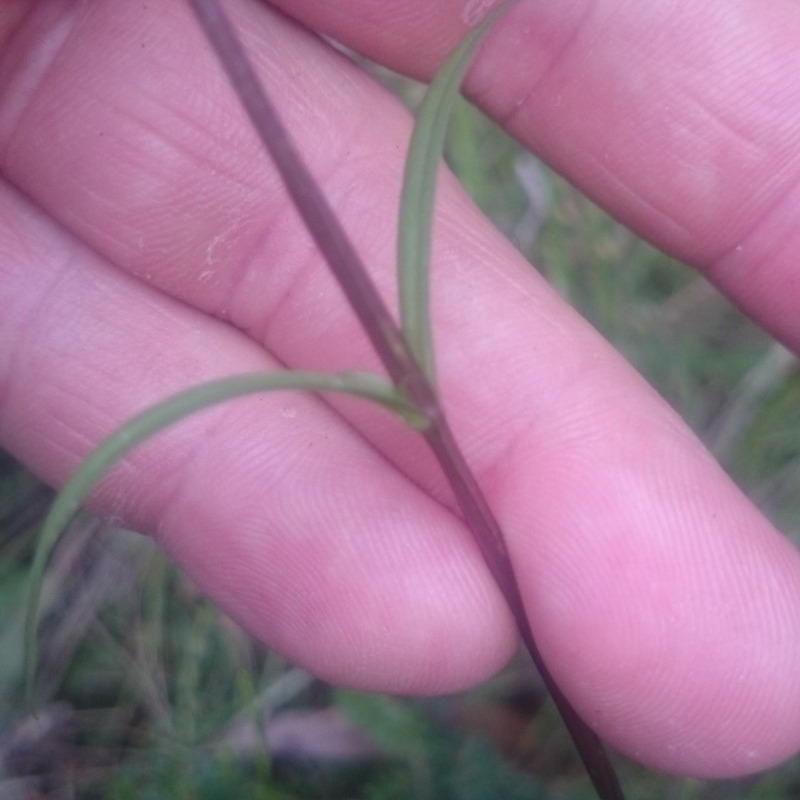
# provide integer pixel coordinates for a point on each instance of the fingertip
(663, 601)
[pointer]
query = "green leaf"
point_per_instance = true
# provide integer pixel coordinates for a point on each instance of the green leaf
(419, 188)
(149, 422)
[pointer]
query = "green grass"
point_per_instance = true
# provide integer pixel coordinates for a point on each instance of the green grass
(149, 692)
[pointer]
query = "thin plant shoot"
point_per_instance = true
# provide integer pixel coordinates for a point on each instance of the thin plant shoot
(406, 351)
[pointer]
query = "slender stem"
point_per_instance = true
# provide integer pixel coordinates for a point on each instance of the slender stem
(397, 357)
(319, 217)
(489, 538)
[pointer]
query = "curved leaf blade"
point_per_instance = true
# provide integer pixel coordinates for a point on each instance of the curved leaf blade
(160, 416)
(419, 189)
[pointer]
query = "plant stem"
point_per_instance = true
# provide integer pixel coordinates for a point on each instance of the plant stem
(319, 217)
(398, 359)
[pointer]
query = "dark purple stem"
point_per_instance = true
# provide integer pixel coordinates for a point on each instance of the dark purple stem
(394, 352)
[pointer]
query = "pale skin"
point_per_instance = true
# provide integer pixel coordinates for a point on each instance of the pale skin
(146, 245)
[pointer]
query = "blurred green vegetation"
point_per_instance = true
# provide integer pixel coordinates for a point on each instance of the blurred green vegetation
(148, 692)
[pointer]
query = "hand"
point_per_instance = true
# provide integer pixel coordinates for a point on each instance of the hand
(147, 246)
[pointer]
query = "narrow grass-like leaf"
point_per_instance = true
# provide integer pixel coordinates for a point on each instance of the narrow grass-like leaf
(147, 423)
(413, 256)
(419, 188)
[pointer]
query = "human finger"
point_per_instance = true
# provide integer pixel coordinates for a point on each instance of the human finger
(681, 119)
